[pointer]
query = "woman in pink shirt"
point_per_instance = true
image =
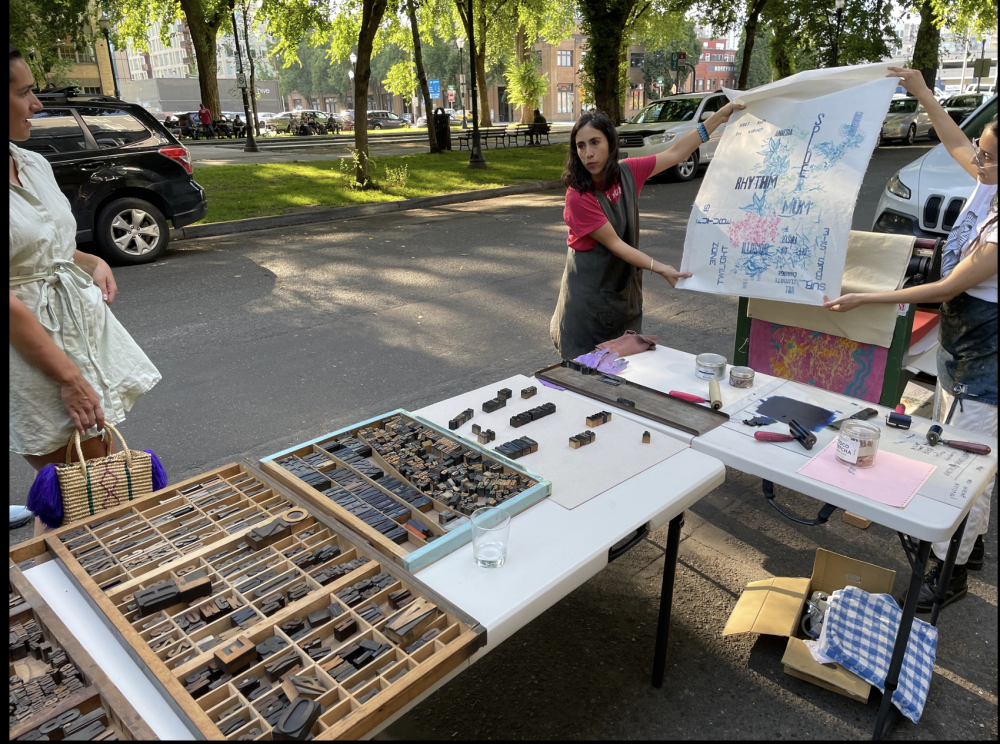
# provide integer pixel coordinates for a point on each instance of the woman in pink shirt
(601, 293)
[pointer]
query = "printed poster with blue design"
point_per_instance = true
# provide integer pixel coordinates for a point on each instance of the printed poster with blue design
(773, 215)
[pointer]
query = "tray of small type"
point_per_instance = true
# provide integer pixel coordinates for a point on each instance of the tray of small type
(122, 544)
(56, 689)
(404, 483)
(277, 600)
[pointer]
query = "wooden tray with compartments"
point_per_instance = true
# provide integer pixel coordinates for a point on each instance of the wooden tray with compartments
(346, 471)
(56, 688)
(273, 608)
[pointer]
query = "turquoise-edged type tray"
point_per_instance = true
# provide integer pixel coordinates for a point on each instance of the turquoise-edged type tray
(415, 554)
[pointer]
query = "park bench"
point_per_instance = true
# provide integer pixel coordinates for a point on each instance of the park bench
(497, 135)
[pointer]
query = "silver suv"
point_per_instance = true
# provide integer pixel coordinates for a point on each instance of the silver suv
(659, 124)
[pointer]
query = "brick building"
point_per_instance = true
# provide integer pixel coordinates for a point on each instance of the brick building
(716, 68)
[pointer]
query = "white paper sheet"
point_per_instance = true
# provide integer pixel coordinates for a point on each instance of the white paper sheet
(774, 211)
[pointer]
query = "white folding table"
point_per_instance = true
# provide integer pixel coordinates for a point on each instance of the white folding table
(936, 513)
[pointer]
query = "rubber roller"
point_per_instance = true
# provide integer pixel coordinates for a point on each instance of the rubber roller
(802, 435)
(715, 394)
(934, 437)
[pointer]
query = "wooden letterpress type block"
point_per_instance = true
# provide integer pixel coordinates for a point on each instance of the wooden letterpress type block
(410, 622)
(369, 695)
(190, 590)
(293, 626)
(236, 655)
(574, 442)
(528, 392)
(247, 686)
(504, 393)
(266, 534)
(345, 630)
(157, 597)
(318, 618)
(297, 721)
(270, 646)
(279, 667)
(645, 437)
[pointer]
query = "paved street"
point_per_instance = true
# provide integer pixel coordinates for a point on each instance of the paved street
(265, 339)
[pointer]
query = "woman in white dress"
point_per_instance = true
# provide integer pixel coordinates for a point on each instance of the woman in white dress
(72, 364)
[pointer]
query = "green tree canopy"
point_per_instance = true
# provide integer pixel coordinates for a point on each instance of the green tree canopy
(39, 27)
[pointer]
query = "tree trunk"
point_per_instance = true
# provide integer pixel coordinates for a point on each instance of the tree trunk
(204, 31)
(425, 91)
(484, 94)
(927, 44)
(522, 52)
(253, 75)
(750, 29)
(371, 17)
(782, 48)
(606, 28)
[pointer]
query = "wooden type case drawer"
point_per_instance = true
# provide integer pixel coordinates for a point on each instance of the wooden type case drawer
(414, 553)
(76, 706)
(254, 572)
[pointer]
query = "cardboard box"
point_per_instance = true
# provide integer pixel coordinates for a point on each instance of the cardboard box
(775, 606)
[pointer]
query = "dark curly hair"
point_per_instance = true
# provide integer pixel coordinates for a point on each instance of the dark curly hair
(576, 174)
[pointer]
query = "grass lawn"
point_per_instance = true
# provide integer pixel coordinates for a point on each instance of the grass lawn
(236, 192)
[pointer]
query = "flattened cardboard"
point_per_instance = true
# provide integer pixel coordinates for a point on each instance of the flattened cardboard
(775, 606)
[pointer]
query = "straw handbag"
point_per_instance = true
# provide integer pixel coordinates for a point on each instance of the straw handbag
(88, 487)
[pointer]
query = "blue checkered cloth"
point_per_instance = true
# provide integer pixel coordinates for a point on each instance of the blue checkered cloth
(859, 632)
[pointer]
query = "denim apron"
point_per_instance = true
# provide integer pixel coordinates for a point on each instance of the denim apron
(601, 294)
(967, 357)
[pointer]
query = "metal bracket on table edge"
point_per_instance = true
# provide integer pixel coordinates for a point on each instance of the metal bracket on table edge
(620, 548)
(824, 514)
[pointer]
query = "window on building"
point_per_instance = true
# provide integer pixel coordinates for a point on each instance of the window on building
(711, 84)
(704, 45)
(114, 127)
(55, 131)
(564, 98)
(564, 58)
(701, 83)
(720, 45)
(636, 59)
(92, 90)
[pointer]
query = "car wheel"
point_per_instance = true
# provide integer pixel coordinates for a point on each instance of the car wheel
(376, 126)
(911, 134)
(685, 170)
(132, 231)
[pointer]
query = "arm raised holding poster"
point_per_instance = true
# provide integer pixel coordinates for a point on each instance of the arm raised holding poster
(774, 221)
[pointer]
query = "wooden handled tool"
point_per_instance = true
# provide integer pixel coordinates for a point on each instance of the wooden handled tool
(934, 437)
(771, 436)
(689, 397)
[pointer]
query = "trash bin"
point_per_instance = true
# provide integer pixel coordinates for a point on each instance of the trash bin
(442, 128)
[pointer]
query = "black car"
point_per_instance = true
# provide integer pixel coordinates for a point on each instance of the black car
(124, 174)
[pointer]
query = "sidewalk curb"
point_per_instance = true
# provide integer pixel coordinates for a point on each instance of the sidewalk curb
(361, 210)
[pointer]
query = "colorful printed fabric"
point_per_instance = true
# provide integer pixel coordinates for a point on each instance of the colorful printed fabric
(818, 359)
(860, 631)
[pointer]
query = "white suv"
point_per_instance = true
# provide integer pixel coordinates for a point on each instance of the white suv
(659, 124)
(925, 197)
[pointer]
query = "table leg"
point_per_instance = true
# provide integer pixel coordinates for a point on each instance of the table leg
(666, 599)
(918, 564)
(947, 569)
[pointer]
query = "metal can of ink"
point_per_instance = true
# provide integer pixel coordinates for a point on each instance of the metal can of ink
(741, 377)
(710, 367)
(857, 443)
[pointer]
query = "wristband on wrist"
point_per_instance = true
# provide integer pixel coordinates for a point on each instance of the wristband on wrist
(703, 133)
(650, 264)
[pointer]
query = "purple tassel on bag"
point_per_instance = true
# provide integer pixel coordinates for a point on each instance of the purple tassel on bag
(159, 472)
(45, 497)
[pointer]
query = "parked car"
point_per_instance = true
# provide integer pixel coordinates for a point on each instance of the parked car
(385, 120)
(925, 197)
(906, 120)
(124, 174)
(959, 107)
(660, 123)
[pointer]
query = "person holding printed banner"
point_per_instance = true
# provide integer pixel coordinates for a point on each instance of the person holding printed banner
(601, 293)
(967, 357)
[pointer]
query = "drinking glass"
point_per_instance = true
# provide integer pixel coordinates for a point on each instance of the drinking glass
(490, 534)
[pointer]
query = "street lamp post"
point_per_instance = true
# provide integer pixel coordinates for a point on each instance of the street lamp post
(461, 79)
(105, 24)
(840, 27)
(476, 159)
(251, 144)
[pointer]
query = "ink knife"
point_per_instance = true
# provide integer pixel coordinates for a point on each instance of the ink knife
(863, 415)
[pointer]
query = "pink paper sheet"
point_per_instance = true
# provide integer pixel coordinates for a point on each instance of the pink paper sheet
(893, 481)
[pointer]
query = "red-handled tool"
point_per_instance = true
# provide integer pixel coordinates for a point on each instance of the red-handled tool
(934, 437)
(689, 397)
(771, 436)
(900, 408)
